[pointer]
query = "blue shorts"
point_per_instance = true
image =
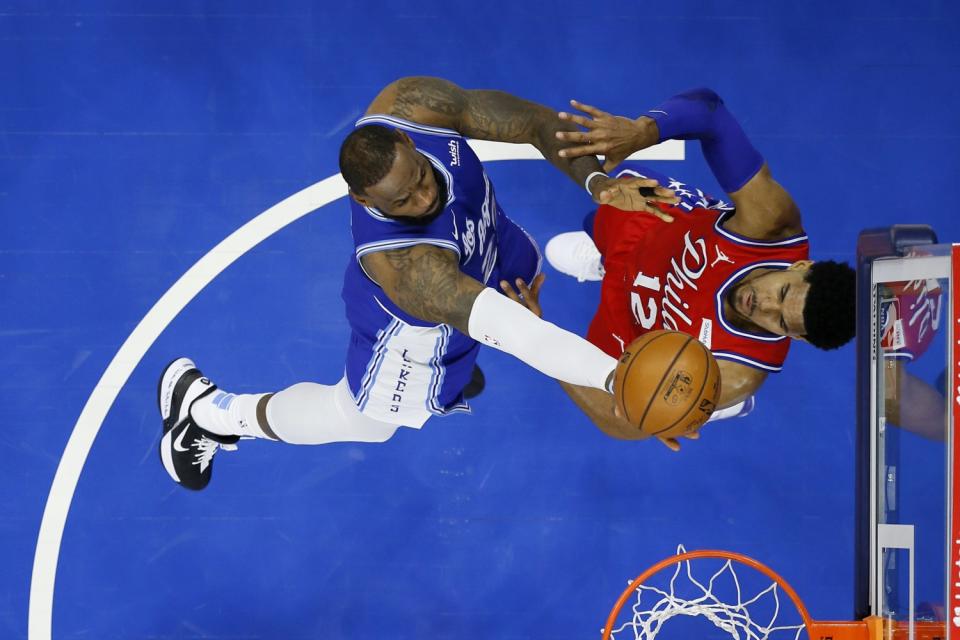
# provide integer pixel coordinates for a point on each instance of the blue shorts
(401, 369)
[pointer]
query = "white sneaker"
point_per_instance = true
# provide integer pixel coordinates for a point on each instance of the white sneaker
(574, 254)
(187, 450)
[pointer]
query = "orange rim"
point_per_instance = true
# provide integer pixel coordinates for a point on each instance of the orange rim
(706, 553)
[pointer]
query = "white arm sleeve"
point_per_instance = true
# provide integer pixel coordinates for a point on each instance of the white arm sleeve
(503, 324)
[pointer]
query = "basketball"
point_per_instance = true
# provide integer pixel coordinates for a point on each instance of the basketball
(666, 384)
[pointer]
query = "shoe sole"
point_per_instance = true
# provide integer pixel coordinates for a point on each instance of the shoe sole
(166, 457)
(166, 386)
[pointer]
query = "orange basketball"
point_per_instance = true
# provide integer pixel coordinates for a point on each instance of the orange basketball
(667, 384)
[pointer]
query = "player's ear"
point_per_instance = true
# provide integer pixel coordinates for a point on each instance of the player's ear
(405, 139)
(363, 200)
(800, 265)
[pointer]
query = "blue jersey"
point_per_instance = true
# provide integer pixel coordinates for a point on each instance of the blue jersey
(402, 369)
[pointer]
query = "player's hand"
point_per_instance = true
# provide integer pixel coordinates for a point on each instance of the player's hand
(674, 445)
(633, 194)
(527, 295)
(670, 443)
(608, 135)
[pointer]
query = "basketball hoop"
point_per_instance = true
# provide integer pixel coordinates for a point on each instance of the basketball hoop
(754, 604)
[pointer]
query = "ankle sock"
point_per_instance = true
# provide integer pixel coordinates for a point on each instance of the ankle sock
(229, 414)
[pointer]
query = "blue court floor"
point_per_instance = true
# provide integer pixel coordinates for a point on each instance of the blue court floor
(135, 136)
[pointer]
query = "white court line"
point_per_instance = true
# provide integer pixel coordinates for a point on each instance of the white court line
(40, 615)
(492, 151)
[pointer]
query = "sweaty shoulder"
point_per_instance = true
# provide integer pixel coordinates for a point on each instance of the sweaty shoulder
(424, 100)
(765, 210)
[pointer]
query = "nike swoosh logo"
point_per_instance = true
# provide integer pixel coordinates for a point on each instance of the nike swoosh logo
(179, 441)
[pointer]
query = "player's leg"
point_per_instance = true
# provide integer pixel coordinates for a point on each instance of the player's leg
(305, 413)
(199, 420)
(311, 413)
(397, 373)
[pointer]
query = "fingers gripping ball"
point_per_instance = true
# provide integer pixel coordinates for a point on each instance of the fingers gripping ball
(666, 384)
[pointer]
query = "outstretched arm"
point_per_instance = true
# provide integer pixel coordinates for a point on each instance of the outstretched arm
(426, 282)
(738, 383)
(599, 407)
(484, 115)
(502, 117)
(764, 209)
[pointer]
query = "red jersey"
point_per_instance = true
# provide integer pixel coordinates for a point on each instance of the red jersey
(675, 276)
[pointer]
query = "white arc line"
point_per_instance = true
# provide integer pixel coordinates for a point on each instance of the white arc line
(47, 554)
(119, 370)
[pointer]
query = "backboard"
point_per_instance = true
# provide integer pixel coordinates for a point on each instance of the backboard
(908, 354)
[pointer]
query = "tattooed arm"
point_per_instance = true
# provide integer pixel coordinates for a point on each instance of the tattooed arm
(426, 282)
(485, 115)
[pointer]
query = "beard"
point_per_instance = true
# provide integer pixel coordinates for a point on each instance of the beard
(738, 318)
(439, 206)
(733, 295)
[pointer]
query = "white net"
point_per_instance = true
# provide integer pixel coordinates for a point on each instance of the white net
(744, 607)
